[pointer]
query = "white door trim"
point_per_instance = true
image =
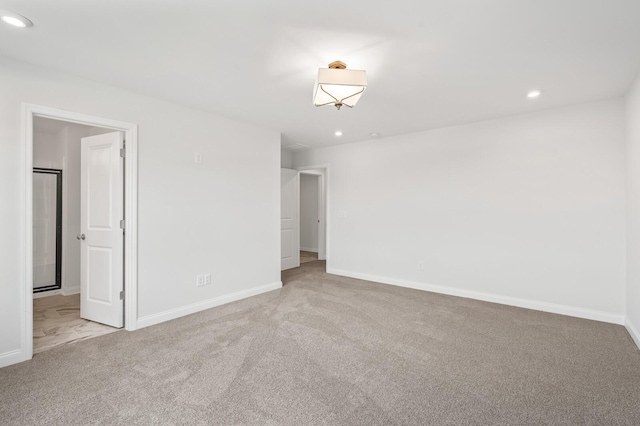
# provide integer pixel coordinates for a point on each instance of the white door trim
(29, 111)
(327, 207)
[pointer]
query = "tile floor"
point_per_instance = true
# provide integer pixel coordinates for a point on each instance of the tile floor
(56, 321)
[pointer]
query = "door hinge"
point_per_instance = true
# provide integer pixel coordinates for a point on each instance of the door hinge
(122, 295)
(123, 152)
(122, 224)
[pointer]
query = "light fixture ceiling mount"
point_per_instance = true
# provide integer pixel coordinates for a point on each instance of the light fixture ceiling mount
(339, 86)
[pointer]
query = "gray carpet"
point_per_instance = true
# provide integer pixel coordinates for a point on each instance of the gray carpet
(339, 351)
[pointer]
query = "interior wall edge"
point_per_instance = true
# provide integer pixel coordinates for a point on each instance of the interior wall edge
(11, 357)
(633, 331)
(193, 308)
(286, 159)
(572, 311)
(632, 149)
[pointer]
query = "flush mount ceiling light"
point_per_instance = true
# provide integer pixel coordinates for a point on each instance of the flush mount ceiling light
(14, 19)
(338, 133)
(339, 86)
(534, 94)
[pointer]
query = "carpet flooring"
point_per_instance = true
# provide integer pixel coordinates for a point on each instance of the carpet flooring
(329, 350)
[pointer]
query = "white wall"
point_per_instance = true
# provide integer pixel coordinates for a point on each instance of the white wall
(526, 210)
(71, 135)
(633, 210)
(309, 212)
(286, 159)
(193, 218)
(48, 151)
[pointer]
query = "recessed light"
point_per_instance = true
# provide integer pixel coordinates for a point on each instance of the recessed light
(338, 133)
(374, 135)
(534, 94)
(14, 19)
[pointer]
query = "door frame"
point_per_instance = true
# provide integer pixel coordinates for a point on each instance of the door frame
(29, 111)
(325, 206)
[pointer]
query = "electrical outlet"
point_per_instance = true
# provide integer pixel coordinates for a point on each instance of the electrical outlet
(197, 157)
(207, 279)
(421, 266)
(200, 280)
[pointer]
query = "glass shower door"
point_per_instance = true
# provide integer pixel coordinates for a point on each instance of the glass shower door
(47, 229)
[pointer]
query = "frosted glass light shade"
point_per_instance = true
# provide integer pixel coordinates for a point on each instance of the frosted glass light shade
(339, 87)
(14, 19)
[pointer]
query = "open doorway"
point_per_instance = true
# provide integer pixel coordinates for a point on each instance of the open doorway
(96, 263)
(304, 223)
(58, 256)
(313, 208)
(310, 206)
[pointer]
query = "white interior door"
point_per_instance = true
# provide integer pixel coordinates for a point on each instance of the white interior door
(102, 239)
(289, 219)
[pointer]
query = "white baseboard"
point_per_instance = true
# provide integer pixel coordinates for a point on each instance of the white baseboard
(633, 332)
(571, 311)
(312, 250)
(47, 293)
(12, 357)
(70, 291)
(63, 291)
(205, 304)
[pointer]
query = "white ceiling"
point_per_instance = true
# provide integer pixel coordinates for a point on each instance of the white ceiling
(430, 63)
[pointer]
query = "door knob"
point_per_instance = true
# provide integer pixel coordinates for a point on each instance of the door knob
(80, 236)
